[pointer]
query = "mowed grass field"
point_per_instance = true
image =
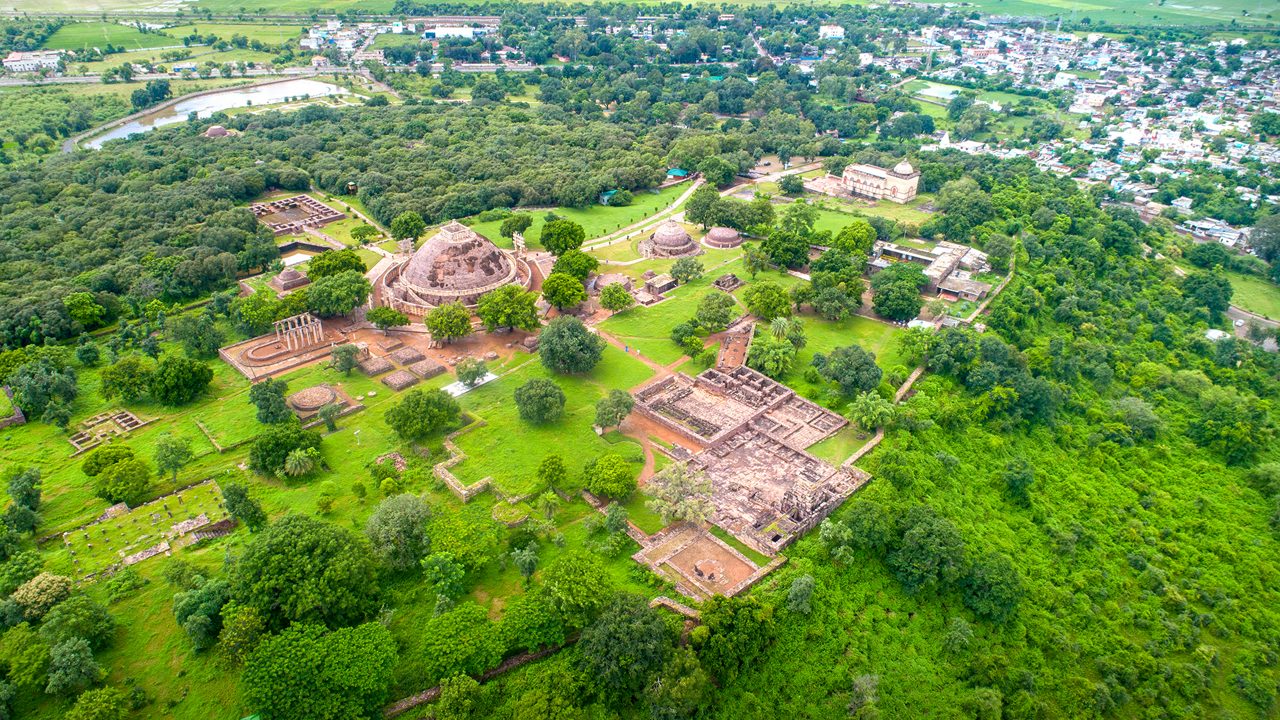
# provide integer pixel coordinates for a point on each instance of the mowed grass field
(597, 220)
(509, 449)
(79, 36)
(1140, 12)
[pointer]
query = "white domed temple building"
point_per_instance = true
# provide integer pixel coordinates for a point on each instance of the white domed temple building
(668, 241)
(457, 264)
(897, 185)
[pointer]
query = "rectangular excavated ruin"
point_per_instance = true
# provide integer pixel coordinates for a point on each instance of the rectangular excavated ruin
(754, 431)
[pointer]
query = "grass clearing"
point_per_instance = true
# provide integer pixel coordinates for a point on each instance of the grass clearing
(1255, 294)
(509, 449)
(648, 329)
(597, 220)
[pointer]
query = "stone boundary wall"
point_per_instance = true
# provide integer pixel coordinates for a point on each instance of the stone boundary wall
(456, 455)
(773, 564)
(675, 606)
(401, 706)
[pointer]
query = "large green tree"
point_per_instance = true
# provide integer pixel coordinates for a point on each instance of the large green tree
(421, 413)
(460, 642)
(338, 294)
(397, 531)
(304, 570)
(449, 322)
(333, 262)
(179, 380)
(408, 225)
(560, 236)
(853, 368)
(509, 306)
(567, 347)
(623, 649)
(540, 401)
(562, 290)
(270, 449)
(306, 673)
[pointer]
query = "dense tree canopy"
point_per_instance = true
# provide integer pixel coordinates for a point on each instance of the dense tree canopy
(304, 570)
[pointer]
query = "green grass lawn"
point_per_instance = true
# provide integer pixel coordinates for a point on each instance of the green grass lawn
(509, 449)
(733, 542)
(83, 35)
(597, 220)
(648, 329)
(68, 499)
(96, 547)
(833, 215)
(644, 518)
(388, 40)
(715, 262)
(837, 448)
(1256, 295)
(824, 336)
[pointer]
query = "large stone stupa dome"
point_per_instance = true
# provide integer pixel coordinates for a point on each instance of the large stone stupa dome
(456, 264)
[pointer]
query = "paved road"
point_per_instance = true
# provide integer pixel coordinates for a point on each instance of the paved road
(143, 77)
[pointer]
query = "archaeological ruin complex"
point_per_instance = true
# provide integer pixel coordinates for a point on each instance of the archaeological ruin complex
(749, 434)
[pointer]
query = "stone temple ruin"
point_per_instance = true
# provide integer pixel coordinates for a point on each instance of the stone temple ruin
(294, 214)
(750, 434)
(294, 341)
(103, 427)
(456, 265)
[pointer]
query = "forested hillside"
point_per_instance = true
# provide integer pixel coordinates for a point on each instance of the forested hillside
(1077, 515)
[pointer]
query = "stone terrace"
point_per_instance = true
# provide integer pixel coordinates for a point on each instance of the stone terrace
(766, 489)
(767, 493)
(721, 402)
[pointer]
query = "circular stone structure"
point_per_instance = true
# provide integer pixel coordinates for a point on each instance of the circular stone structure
(312, 398)
(669, 240)
(456, 265)
(607, 279)
(723, 237)
(216, 131)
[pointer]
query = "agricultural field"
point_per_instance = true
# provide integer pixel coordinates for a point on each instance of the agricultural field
(1139, 12)
(85, 35)
(265, 33)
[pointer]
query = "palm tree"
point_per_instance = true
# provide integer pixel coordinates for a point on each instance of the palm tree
(779, 327)
(300, 461)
